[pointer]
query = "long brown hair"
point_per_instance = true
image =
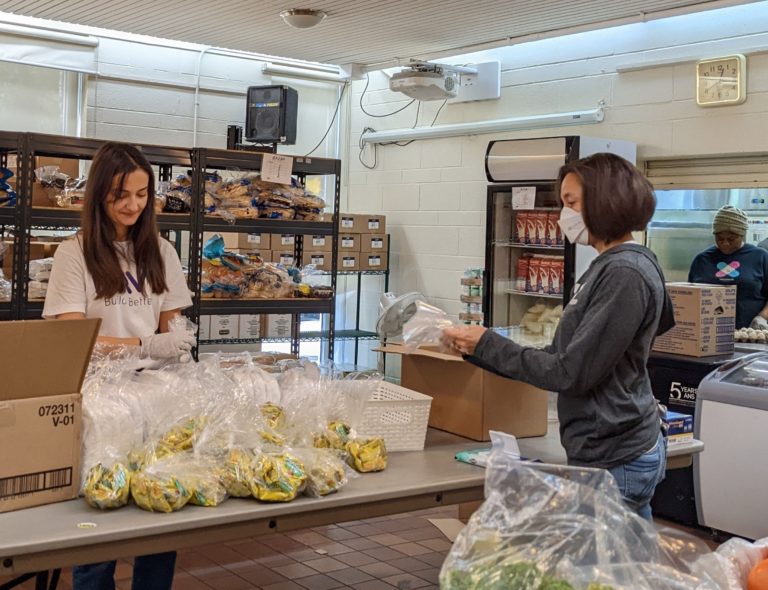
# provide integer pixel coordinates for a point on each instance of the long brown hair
(116, 160)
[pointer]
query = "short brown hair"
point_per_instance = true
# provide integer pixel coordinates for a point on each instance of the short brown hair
(618, 199)
(116, 160)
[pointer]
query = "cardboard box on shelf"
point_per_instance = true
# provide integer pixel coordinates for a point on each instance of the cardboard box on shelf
(277, 325)
(373, 224)
(204, 332)
(250, 327)
(318, 243)
(284, 257)
(68, 166)
(705, 317)
(373, 261)
(41, 410)
(321, 260)
(349, 242)
(37, 250)
(40, 196)
(468, 401)
(283, 241)
(224, 327)
(349, 223)
(374, 243)
(259, 241)
(348, 261)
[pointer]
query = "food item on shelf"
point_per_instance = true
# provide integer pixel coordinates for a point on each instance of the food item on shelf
(367, 455)
(277, 478)
(521, 227)
(751, 335)
(521, 276)
(268, 281)
(277, 213)
(107, 487)
(540, 219)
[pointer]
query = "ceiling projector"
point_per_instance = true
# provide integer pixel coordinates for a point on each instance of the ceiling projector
(425, 81)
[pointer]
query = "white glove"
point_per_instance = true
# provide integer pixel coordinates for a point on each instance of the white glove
(169, 345)
(759, 323)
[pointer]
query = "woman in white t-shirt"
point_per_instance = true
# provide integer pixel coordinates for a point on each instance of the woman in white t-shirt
(117, 268)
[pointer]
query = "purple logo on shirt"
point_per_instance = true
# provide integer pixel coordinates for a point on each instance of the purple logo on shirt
(131, 280)
(728, 270)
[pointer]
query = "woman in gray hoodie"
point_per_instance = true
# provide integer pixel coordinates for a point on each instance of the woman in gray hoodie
(597, 362)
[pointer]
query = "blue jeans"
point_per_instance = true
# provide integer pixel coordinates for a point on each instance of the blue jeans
(150, 572)
(638, 479)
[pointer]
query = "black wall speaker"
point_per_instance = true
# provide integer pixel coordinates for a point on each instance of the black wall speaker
(270, 116)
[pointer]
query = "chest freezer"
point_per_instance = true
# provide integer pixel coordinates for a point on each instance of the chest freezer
(731, 474)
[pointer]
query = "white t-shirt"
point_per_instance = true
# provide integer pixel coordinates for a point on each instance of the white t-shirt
(126, 315)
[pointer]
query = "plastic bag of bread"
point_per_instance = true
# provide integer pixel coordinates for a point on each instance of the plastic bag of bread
(309, 201)
(426, 326)
(269, 281)
(277, 213)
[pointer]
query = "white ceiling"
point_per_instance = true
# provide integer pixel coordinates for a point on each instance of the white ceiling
(360, 31)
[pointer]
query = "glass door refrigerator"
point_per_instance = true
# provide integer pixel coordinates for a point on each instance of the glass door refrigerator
(530, 269)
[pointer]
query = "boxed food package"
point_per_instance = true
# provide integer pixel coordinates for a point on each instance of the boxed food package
(249, 327)
(373, 261)
(224, 327)
(283, 241)
(44, 363)
(348, 261)
(349, 242)
(705, 320)
(277, 325)
(680, 427)
(260, 241)
(374, 243)
(284, 257)
(321, 260)
(318, 243)
(468, 401)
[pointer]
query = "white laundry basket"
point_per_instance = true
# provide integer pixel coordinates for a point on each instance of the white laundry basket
(398, 415)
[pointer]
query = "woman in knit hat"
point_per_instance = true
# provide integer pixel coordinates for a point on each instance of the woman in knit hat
(732, 262)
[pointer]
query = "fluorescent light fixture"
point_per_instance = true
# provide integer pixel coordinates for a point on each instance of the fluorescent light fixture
(309, 73)
(72, 39)
(480, 127)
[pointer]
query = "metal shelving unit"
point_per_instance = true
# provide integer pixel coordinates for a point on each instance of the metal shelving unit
(24, 218)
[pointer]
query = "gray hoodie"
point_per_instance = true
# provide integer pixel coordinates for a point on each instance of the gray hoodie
(597, 361)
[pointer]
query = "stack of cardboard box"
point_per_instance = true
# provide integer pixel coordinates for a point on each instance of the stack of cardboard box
(363, 242)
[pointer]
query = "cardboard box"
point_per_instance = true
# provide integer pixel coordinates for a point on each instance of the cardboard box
(68, 166)
(284, 257)
(231, 239)
(468, 401)
(374, 243)
(224, 327)
(283, 241)
(373, 261)
(362, 223)
(349, 242)
(277, 325)
(204, 333)
(321, 260)
(318, 244)
(250, 327)
(348, 261)
(705, 317)
(254, 241)
(37, 250)
(44, 364)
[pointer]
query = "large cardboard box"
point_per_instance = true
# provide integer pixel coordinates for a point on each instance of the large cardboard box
(362, 223)
(44, 364)
(284, 257)
(258, 242)
(374, 243)
(277, 325)
(204, 333)
(250, 327)
(224, 327)
(68, 166)
(349, 242)
(318, 243)
(468, 401)
(231, 239)
(373, 261)
(321, 260)
(705, 317)
(37, 250)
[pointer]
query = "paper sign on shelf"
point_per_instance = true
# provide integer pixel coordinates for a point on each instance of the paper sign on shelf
(276, 168)
(524, 197)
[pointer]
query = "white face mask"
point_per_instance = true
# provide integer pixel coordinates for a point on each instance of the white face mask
(572, 224)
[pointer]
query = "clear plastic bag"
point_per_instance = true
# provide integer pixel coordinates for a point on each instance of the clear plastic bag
(426, 326)
(557, 527)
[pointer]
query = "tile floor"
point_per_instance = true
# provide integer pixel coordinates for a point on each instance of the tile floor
(404, 551)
